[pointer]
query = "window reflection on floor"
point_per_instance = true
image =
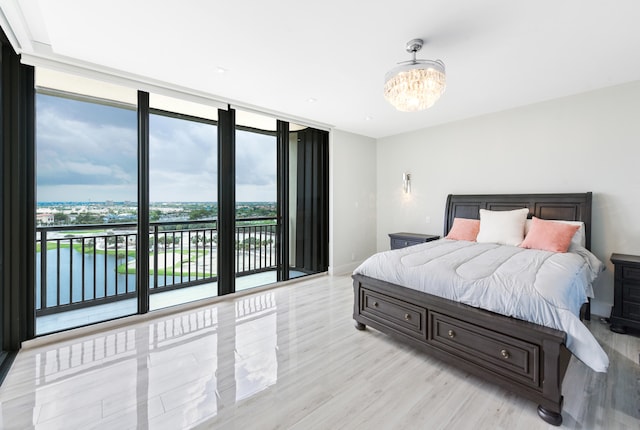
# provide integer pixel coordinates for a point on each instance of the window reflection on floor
(187, 365)
(256, 343)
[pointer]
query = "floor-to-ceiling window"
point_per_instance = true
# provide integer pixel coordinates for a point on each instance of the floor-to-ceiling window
(129, 214)
(86, 143)
(183, 208)
(256, 200)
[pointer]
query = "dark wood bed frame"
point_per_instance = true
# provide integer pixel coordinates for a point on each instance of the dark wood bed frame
(526, 358)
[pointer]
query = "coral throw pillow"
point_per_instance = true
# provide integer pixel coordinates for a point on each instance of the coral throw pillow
(464, 229)
(549, 235)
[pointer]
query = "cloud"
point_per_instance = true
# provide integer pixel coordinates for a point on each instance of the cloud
(182, 147)
(85, 150)
(256, 159)
(72, 150)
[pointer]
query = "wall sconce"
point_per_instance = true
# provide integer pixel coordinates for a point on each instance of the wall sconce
(406, 183)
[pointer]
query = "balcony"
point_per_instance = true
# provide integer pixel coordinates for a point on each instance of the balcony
(88, 272)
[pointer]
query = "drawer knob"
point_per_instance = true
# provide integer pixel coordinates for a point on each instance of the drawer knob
(505, 353)
(375, 304)
(407, 317)
(452, 334)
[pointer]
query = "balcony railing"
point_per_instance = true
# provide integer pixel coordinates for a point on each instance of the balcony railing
(86, 265)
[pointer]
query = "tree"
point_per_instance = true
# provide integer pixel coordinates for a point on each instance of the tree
(154, 215)
(60, 218)
(89, 218)
(201, 213)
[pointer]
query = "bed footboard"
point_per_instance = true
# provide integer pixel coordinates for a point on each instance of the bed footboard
(528, 359)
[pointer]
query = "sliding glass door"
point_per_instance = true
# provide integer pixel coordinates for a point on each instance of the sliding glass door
(86, 213)
(256, 223)
(282, 213)
(183, 209)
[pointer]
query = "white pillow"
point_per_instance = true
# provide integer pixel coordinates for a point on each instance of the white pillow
(503, 227)
(578, 239)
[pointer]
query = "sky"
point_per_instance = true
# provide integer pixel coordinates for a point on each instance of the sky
(88, 152)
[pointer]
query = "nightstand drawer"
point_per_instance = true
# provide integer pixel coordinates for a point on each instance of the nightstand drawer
(631, 310)
(626, 293)
(632, 273)
(402, 243)
(402, 240)
(631, 292)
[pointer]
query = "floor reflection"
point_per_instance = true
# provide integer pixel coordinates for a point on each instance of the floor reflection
(180, 370)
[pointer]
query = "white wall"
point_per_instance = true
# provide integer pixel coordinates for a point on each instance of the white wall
(352, 223)
(587, 142)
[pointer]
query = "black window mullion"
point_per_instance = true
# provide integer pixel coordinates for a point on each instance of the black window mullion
(282, 222)
(226, 201)
(142, 245)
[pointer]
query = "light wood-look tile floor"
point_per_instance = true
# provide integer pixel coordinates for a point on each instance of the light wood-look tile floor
(287, 358)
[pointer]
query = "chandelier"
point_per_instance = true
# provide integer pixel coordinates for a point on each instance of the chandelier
(415, 85)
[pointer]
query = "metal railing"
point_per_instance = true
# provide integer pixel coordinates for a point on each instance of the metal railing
(86, 265)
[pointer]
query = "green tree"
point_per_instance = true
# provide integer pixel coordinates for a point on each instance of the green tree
(201, 213)
(60, 218)
(89, 218)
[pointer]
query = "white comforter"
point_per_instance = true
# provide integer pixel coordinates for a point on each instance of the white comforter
(543, 287)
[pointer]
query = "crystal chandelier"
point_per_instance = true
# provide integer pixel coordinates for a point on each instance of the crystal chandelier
(415, 84)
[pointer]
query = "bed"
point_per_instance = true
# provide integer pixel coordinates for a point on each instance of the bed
(528, 358)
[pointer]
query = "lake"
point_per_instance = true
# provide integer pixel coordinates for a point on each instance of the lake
(73, 266)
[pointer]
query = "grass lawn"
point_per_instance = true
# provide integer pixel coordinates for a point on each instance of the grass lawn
(126, 268)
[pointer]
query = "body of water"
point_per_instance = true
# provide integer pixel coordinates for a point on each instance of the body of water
(65, 277)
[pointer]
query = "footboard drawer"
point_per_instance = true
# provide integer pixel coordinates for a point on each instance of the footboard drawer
(494, 351)
(401, 316)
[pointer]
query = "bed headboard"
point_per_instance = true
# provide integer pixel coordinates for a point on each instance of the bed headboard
(570, 207)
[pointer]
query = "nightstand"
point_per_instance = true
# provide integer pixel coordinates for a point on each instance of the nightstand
(626, 293)
(402, 240)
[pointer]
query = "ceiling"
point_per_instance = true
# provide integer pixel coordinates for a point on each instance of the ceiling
(325, 61)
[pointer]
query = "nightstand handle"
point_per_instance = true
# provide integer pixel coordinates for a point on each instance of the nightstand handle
(505, 354)
(452, 334)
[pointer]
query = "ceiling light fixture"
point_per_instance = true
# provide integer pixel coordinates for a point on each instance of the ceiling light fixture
(415, 85)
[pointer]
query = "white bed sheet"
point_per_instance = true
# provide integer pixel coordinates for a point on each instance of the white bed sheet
(542, 287)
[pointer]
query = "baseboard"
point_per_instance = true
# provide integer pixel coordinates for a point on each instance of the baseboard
(345, 269)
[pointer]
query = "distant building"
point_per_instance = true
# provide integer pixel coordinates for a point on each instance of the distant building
(44, 218)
